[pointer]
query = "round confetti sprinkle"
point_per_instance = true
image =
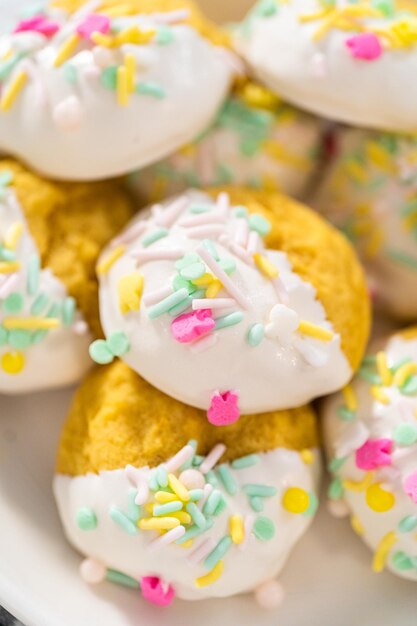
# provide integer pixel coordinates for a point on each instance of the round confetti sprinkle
(295, 500)
(264, 528)
(378, 499)
(86, 519)
(13, 362)
(405, 434)
(92, 571)
(13, 303)
(269, 595)
(100, 352)
(118, 344)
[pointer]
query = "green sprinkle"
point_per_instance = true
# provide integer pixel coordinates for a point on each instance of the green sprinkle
(193, 271)
(197, 460)
(13, 303)
(4, 336)
(134, 511)
(369, 359)
(70, 73)
(86, 519)
(313, 505)
(224, 174)
(162, 476)
(229, 265)
(345, 414)
(68, 311)
(100, 352)
(245, 461)
(335, 491)
(196, 494)
(118, 343)
(405, 434)
(153, 481)
(151, 89)
(394, 368)
(385, 6)
(109, 78)
(407, 524)
(218, 553)
(211, 478)
(401, 561)
(220, 507)
(6, 178)
(335, 464)
(266, 8)
(198, 209)
(189, 462)
(196, 515)
(39, 304)
(181, 307)
(227, 479)
(229, 320)
(123, 521)
(194, 531)
(212, 502)
(261, 491)
(33, 274)
(113, 576)
(169, 507)
(6, 69)
(7, 255)
(264, 528)
(256, 504)
(240, 211)
(259, 224)
(153, 237)
(209, 245)
(370, 377)
(167, 303)
(180, 283)
(20, 338)
(409, 388)
(164, 36)
(255, 335)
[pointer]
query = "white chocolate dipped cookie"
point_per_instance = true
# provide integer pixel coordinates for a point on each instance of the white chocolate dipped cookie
(256, 141)
(334, 58)
(50, 237)
(159, 500)
(369, 190)
(371, 436)
(92, 90)
(234, 302)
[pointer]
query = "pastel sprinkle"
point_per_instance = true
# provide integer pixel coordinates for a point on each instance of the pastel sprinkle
(401, 561)
(212, 458)
(12, 91)
(167, 303)
(212, 502)
(122, 520)
(33, 269)
(227, 479)
(30, 323)
(410, 486)
(190, 326)
(314, 331)
(178, 488)
(307, 456)
(196, 515)
(264, 528)
(295, 500)
(256, 504)
(169, 507)
(109, 260)
(218, 553)
(265, 265)
(10, 267)
(245, 461)
(158, 523)
(260, 491)
(259, 224)
(20, 339)
(229, 320)
(405, 434)
(134, 510)
(100, 352)
(256, 334)
(374, 453)
(118, 578)
(403, 373)
(86, 519)
(13, 303)
(407, 524)
(378, 499)
(129, 290)
(211, 478)
(313, 505)
(237, 529)
(211, 577)
(68, 311)
(223, 408)
(181, 457)
(13, 362)
(169, 537)
(93, 23)
(200, 553)
(364, 46)
(155, 592)
(151, 89)
(382, 551)
(193, 532)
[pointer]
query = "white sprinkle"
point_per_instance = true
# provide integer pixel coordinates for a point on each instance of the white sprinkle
(157, 254)
(207, 491)
(213, 456)
(35, 76)
(211, 217)
(254, 242)
(313, 356)
(248, 525)
(242, 232)
(86, 9)
(171, 17)
(171, 213)
(157, 296)
(280, 290)
(132, 233)
(223, 202)
(139, 482)
(169, 537)
(213, 303)
(80, 327)
(201, 551)
(218, 271)
(203, 232)
(179, 459)
(68, 114)
(204, 343)
(8, 285)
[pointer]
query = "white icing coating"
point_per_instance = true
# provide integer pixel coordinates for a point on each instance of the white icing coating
(245, 565)
(65, 123)
(322, 75)
(285, 370)
(369, 190)
(59, 358)
(375, 420)
(273, 149)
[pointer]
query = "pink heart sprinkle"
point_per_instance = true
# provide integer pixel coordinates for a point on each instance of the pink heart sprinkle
(223, 409)
(365, 46)
(38, 24)
(374, 453)
(410, 486)
(154, 591)
(93, 23)
(190, 326)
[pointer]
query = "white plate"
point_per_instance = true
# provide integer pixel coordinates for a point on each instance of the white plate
(328, 579)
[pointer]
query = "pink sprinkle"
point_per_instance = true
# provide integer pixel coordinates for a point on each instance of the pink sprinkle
(93, 23)
(410, 486)
(374, 453)
(190, 326)
(223, 409)
(179, 459)
(153, 591)
(201, 551)
(38, 24)
(365, 46)
(212, 458)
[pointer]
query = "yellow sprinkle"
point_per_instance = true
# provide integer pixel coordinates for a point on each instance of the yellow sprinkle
(67, 49)
(378, 499)
(130, 64)
(317, 332)
(9, 267)
(129, 289)
(122, 89)
(380, 157)
(163, 497)
(258, 96)
(189, 150)
(307, 456)
(186, 544)
(312, 17)
(178, 488)
(105, 41)
(383, 370)
(148, 506)
(404, 372)
(378, 393)
(13, 235)
(295, 500)
(135, 36)
(204, 281)
(237, 529)
(13, 90)
(280, 153)
(213, 289)
(360, 485)
(265, 265)
(356, 525)
(13, 362)
(356, 171)
(158, 523)
(382, 551)
(30, 323)
(104, 265)
(350, 398)
(182, 516)
(7, 55)
(211, 577)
